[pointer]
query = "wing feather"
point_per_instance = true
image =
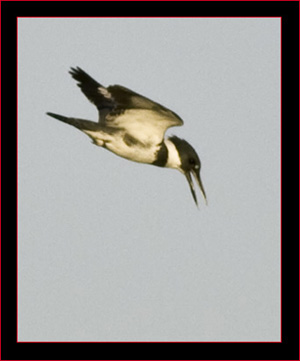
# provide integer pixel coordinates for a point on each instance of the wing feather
(94, 91)
(138, 116)
(141, 117)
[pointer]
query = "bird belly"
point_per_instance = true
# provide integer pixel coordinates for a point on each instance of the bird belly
(135, 153)
(124, 145)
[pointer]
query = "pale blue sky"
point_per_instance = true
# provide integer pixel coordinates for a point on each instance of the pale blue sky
(111, 250)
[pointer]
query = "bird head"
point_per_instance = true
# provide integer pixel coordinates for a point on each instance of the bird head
(190, 165)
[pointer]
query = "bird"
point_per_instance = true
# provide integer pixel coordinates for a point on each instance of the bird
(132, 126)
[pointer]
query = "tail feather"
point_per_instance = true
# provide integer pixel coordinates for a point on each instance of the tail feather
(57, 116)
(81, 124)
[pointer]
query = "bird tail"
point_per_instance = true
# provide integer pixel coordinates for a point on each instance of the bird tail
(59, 117)
(78, 123)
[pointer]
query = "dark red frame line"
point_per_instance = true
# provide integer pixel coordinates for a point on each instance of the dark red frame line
(196, 17)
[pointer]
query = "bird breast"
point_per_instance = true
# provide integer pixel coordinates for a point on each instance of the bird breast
(130, 148)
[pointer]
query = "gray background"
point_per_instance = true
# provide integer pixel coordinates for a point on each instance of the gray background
(114, 250)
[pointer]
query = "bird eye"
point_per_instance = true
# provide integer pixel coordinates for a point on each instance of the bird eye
(192, 161)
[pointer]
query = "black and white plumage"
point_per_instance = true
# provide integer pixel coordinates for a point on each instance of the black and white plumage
(133, 127)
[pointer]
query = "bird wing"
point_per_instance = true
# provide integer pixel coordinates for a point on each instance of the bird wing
(94, 91)
(141, 118)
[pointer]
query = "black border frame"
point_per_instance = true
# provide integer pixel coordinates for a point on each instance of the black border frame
(288, 349)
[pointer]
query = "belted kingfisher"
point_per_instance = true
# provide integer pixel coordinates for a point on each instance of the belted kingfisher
(133, 127)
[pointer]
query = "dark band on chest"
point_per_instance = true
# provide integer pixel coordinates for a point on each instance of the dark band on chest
(161, 156)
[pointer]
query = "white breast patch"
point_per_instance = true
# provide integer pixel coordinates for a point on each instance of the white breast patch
(174, 160)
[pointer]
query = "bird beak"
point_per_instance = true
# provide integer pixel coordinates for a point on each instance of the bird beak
(196, 174)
